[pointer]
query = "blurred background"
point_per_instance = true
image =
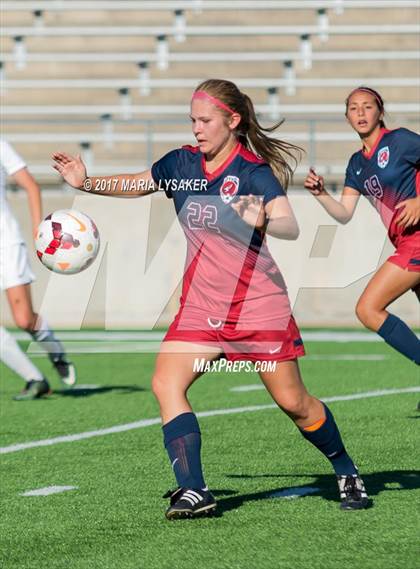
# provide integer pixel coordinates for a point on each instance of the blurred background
(113, 81)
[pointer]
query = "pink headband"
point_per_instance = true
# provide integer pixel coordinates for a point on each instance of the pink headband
(371, 92)
(214, 100)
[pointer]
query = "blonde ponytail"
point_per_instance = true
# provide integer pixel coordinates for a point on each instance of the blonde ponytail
(277, 153)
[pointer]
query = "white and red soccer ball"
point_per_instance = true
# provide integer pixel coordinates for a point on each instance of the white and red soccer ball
(67, 241)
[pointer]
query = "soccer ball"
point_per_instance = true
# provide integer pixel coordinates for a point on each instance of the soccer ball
(67, 241)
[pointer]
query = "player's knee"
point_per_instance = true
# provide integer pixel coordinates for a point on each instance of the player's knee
(25, 321)
(296, 407)
(360, 311)
(158, 386)
(164, 387)
(366, 314)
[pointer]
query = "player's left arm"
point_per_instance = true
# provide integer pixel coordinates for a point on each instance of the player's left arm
(275, 217)
(25, 180)
(280, 219)
(266, 207)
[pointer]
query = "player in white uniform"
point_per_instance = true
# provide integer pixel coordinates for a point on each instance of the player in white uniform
(15, 278)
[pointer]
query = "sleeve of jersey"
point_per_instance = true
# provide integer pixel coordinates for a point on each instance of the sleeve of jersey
(164, 170)
(409, 144)
(262, 182)
(10, 159)
(351, 180)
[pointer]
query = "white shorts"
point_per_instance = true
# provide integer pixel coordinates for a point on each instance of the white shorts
(14, 266)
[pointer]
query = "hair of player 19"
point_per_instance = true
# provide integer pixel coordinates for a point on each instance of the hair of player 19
(378, 99)
(281, 156)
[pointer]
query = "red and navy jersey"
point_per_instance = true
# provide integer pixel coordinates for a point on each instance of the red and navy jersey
(388, 174)
(242, 173)
(227, 259)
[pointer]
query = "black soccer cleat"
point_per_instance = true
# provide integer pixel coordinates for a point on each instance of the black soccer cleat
(353, 495)
(33, 390)
(189, 503)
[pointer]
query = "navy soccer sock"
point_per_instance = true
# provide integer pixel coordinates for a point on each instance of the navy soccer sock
(326, 437)
(182, 438)
(398, 335)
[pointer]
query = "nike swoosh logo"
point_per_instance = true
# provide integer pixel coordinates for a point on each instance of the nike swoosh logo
(275, 350)
(173, 464)
(217, 325)
(358, 171)
(82, 226)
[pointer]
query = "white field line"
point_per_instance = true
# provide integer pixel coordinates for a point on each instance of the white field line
(48, 490)
(291, 493)
(99, 335)
(347, 357)
(151, 335)
(149, 422)
(149, 341)
(85, 387)
(87, 347)
(101, 347)
(250, 387)
(335, 357)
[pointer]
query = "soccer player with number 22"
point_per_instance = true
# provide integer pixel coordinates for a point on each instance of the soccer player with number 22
(234, 300)
(387, 171)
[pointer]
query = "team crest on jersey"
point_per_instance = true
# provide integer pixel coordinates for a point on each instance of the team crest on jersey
(229, 188)
(383, 156)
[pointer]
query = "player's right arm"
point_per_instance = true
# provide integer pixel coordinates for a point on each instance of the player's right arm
(73, 170)
(343, 210)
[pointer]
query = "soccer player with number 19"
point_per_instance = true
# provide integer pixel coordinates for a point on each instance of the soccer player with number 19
(234, 300)
(387, 171)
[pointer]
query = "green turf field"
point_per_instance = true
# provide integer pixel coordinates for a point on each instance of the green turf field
(114, 516)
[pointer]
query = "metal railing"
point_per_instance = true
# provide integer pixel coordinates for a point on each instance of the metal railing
(308, 133)
(198, 5)
(174, 110)
(210, 31)
(184, 82)
(208, 56)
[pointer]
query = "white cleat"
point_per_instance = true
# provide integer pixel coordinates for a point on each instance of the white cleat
(66, 371)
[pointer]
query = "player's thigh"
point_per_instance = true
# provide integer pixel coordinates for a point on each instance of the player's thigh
(15, 268)
(178, 365)
(286, 386)
(20, 301)
(387, 284)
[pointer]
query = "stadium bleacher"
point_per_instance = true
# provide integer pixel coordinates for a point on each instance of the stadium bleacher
(114, 79)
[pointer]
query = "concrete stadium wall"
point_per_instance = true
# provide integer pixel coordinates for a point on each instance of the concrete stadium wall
(134, 283)
(47, 128)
